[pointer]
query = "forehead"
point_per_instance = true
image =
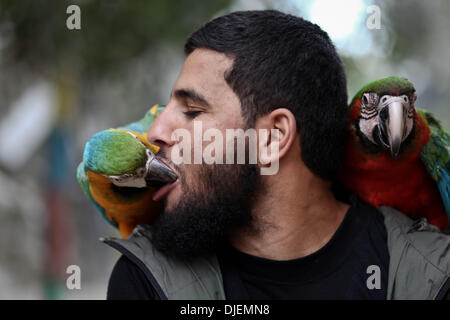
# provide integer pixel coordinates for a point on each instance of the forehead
(203, 71)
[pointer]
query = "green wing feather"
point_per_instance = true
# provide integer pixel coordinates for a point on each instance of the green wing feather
(140, 126)
(436, 157)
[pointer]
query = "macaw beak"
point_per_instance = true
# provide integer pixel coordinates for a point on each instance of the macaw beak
(396, 127)
(393, 124)
(158, 173)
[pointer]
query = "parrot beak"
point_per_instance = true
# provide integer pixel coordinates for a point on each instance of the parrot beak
(393, 125)
(158, 173)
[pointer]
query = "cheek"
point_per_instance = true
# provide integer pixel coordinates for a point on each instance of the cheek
(409, 126)
(191, 176)
(367, 126)
(219, 139)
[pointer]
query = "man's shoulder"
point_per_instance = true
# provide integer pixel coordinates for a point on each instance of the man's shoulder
(419, 254)
(171, 277)
(369, 219)
(418, 236)
(419, 257)
(128, 282)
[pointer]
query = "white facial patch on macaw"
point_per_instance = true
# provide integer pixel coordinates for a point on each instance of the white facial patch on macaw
(369, 114)
(411, 110)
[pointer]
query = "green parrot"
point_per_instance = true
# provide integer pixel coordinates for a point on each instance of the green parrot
(397, 155)
(119, 174)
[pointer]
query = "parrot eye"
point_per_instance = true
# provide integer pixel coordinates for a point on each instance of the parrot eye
(365, 100)
(383, 100)
(405, 98)
(369, 101)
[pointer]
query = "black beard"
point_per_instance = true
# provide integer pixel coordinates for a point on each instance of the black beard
(199, 223)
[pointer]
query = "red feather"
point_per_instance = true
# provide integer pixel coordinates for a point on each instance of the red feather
(403, 183)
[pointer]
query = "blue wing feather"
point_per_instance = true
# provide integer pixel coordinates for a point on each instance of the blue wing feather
(436, 157)
(444, 189)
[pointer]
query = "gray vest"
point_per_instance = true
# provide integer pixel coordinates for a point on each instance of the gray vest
(419, 264)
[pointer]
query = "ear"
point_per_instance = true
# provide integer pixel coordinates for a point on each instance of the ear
(276, 134)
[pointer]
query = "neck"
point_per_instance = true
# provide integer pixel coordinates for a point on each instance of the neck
(296, 220)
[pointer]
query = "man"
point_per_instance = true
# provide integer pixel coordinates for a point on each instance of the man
(280, 236)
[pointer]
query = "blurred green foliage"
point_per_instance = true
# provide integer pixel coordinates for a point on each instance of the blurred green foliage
(112, 31)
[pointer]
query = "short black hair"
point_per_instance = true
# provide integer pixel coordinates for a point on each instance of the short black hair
(281, 60)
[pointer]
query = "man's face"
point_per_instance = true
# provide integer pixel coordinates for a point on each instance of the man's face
(206, 200)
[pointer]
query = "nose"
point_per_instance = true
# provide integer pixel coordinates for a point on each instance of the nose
(160, 132)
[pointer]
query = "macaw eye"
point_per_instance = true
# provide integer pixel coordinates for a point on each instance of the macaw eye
(405, 98)
(383, 100)
(365, 100)
(369, 100)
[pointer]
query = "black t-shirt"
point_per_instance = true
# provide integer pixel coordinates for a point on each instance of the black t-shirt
(352, 265)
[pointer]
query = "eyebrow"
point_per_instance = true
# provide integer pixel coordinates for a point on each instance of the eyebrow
(192, 95)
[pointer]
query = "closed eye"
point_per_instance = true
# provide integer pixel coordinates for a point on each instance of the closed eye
(191, 114)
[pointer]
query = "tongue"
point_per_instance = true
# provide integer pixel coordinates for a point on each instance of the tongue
(163, 191)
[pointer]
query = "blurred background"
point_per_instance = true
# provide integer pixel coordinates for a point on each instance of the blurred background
(60, 86)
